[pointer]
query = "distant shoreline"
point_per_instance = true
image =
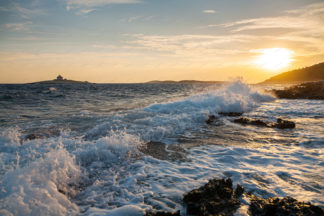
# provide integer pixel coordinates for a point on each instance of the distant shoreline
(186, 82)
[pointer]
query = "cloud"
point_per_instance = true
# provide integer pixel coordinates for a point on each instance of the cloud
(209, 11)
(76, 4)
(22, 12)
(301, 29)
(85, 11)
(309, 18)
(190, 46)
(27, 13)
(18, 26)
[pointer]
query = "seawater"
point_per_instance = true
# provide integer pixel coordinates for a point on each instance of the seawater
(87, 159)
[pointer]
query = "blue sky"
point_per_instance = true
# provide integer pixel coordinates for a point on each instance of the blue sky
(140, 40)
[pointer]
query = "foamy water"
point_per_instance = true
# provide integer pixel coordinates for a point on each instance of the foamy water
(87, 161)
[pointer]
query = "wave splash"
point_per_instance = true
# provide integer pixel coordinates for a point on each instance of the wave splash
(161, 120)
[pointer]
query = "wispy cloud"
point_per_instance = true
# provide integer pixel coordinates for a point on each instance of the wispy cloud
(76, 4)
(18, 26)
(193, 46)
(23, 12)
(85, 11)
(309, 18)
(209, 11)
(27, 13)
(301, 29)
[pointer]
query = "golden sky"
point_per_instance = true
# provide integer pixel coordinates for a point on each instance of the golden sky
(141, 40)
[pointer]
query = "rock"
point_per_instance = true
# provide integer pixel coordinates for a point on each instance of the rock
(231, 114)
(160, 151)
(310, 90)
(163, 213)
(210, 119)
(256, 122)
(32, 136)
(155, 149)
(283, 124)
(239, 190)
(242, 120)
(282, 207)
(280, 124)
(214, 198)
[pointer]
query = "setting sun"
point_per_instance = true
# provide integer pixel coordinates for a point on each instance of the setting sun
(274, 58)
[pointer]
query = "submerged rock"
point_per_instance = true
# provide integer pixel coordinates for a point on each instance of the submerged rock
(160, 151)
(311, 90)
(217, 197)
(280, 124)
(282, 207)
(155, 149)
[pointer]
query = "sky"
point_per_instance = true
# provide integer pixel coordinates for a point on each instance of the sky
(127, 41)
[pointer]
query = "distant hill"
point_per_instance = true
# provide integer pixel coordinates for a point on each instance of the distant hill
(186, 81)
(307, 74)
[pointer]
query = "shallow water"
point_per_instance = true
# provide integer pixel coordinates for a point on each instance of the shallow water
(87, 160)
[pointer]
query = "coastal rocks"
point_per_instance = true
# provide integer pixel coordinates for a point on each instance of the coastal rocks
(248, 121)
(217, 197)
(282, 207)
(311, 90)
(280, 124)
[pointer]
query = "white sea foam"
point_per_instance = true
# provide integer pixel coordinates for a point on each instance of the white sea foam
(37, 189)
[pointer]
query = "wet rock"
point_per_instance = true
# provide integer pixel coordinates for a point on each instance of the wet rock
(256, 122)
(160, 151)
(282, 207)
(217, 197)
(210, 119)
(163, 213)
(32, 137)
(280, 124)
(231, 114)
(155, 149)
(239, 190)
(310, 90)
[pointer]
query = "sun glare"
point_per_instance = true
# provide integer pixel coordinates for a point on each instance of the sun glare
(274, 58)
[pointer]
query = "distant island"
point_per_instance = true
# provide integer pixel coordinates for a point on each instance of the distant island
(186, 82)
(307, 74)
(60, 79)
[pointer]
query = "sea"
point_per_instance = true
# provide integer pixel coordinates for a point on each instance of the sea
(77, 149)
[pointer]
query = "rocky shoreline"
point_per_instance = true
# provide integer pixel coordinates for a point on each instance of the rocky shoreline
(218, 197)
(310, 90)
